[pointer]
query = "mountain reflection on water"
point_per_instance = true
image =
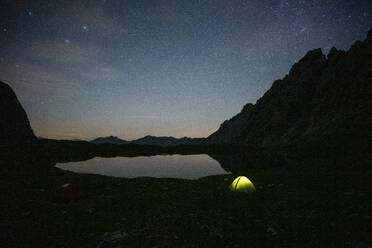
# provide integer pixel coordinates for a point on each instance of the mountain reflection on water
(161, 166)
(244, 161)
(171, 166)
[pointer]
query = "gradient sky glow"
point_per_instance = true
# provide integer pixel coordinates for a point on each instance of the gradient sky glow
(129, 68)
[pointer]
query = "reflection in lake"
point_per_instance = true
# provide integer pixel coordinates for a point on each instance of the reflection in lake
(174, 166)
(245, 161)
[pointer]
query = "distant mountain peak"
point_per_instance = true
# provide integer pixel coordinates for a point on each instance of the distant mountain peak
(315, 53)
(149, 136)
(109, 140)
(149, 140)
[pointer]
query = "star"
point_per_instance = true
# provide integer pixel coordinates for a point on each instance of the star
(303, 29)
(169, 51)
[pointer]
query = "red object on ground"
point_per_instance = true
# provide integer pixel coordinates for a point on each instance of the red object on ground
(70, 192)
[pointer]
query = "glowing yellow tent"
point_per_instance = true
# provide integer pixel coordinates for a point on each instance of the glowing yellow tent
(242, 184)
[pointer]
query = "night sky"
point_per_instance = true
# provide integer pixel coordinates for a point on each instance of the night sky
(130, 68)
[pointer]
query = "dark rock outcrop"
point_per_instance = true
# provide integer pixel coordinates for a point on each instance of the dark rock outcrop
(322, 98)
(15, 127)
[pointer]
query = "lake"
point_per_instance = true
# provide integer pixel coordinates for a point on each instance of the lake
(160, 166)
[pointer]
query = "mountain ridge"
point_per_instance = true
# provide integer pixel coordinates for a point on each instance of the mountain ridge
(322, 97)
(149, 140)
(109, 140)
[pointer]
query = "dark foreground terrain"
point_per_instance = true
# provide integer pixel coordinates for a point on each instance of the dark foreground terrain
(320, 198)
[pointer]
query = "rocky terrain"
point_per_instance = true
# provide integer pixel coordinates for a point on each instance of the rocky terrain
(322, 98)
(15, 127)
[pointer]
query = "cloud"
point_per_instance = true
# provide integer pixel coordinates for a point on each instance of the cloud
(94, 15)
(83, 53)
(100, 73)
(56, 68)
(80, 59)
(30, 80)
(143, 117)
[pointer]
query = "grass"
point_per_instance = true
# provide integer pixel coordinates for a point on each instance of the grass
(311, 202)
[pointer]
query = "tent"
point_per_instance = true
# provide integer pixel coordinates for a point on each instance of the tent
(70, 192)
(242, 184)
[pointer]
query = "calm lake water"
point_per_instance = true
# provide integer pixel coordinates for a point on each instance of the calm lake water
(174, 166)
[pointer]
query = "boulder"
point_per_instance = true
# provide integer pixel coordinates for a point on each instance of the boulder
(15, 127)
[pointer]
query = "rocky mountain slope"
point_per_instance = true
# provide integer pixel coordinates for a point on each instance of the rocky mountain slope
(322, 98)
(15, 127)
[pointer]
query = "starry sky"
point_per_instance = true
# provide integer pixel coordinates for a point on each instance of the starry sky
(129, 68)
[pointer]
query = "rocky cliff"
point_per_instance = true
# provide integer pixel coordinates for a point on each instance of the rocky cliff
(15, 128)
(322, 97)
